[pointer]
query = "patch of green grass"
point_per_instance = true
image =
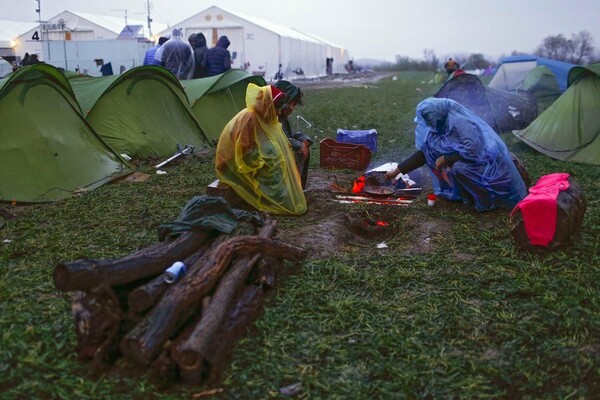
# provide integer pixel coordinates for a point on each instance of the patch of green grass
(473, 317)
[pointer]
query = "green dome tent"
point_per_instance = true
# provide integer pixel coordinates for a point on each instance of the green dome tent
(142, 113)
(569, 129)
(541, 82)
(47, 149)
(217, 99)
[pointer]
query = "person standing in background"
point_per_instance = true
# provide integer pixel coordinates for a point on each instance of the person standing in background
(198, 43)
(151, 52)
(218, 59)
(451, 66)
(177, 55)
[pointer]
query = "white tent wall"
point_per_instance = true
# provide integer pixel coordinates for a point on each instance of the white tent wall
(339, 55)
(14, 42)
(509, 76)
(75, 27)
(340, 59)
(296, 55)
(125, 54)
(264, 45)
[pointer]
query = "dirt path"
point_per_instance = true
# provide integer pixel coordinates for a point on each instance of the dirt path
(331, 81)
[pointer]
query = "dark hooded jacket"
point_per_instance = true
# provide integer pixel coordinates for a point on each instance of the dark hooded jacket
(217, 59)
(200, 50)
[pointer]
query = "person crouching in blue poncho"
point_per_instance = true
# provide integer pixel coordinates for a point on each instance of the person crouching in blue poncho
(469, 160)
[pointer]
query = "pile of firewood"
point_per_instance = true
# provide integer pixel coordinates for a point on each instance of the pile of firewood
(184, 330)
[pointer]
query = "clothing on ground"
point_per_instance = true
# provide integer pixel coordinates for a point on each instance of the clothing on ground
(539, 208)
(207, 213)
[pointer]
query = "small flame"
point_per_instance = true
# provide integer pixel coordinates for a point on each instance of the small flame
(370, 222)
(359, 184)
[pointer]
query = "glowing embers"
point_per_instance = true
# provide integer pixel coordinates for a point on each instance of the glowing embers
(387, 201)
(369, 225)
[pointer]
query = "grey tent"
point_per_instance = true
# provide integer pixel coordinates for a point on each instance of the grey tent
(503, 111)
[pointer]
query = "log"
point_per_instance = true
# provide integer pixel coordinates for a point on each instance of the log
(213, 312)
(164, 369)
(86, 274)
(143, 343)
(97, 317)
(189, 353)
(570, 210)
(145, 296)
(244, 311)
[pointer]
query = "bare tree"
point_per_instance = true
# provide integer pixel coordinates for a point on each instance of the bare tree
(576, 50)
(583, 49)
(478, 61)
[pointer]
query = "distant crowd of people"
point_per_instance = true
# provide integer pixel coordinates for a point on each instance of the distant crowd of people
(190, 59)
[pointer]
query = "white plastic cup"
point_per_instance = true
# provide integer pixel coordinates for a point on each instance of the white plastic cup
(431, 200)
(174, 272)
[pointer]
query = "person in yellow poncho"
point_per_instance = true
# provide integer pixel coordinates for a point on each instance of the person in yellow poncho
(254, 156)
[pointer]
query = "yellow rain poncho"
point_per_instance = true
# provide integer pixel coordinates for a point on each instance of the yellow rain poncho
(254, 157)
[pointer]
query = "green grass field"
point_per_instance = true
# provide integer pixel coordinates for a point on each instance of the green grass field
(473, 317)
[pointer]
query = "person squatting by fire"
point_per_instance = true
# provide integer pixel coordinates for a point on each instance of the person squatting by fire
(470, 161)
(254, 156)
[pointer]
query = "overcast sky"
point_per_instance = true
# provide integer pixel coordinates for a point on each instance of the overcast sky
(377, 29)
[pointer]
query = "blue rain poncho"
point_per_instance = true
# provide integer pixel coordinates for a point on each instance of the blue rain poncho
(484, 172)
(177, 56)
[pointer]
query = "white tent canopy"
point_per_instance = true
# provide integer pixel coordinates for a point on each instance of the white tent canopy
(261, 46)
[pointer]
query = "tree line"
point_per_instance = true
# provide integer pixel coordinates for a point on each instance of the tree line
(578, 49)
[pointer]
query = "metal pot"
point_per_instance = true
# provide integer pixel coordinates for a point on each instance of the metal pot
(378, 190)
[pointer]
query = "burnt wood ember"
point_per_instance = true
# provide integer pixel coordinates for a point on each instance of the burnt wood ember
(180, 301)
(570, 210)
(86, 274)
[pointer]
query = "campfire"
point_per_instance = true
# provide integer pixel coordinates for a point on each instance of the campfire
(372, 189)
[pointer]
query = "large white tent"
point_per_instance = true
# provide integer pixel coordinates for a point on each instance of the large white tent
(72, 27)
(261, 47)
(10, 32)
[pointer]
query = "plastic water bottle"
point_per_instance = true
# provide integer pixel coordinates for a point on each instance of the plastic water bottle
(175, 271)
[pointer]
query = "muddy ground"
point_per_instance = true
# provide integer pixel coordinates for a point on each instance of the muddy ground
(329, 227)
